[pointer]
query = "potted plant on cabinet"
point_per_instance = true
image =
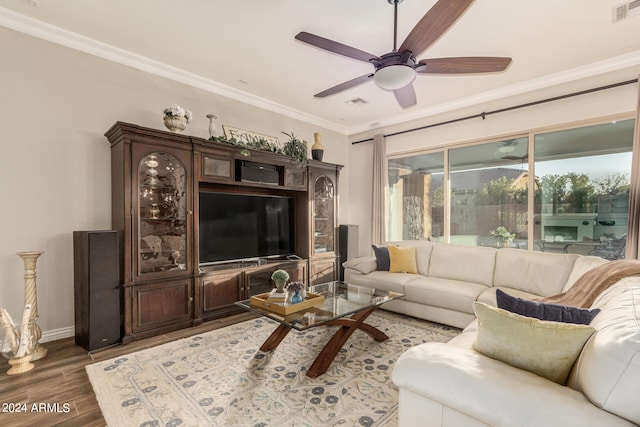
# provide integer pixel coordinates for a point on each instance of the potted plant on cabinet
(295, 149)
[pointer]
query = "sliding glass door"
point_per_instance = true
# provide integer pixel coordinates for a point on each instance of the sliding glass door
(488, 186)
(582, 202)
(562, 191)
(416, 197)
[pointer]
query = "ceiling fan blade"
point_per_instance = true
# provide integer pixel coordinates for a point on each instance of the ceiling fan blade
(463, 65)
(433, 24)
(344, 86)
(335, 47)
(406, 96)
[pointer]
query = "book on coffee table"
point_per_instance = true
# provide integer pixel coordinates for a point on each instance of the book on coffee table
(276, 296)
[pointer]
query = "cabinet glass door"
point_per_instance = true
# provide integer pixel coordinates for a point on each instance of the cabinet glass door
(162, 213)
(323, 215)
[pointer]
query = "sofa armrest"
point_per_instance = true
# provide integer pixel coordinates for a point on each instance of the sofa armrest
(492, 391)
(364, 265)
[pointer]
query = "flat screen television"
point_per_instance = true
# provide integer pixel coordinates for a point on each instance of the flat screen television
(235, 227)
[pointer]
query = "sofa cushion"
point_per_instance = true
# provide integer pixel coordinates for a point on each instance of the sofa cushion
(402, 260)
(382, 257)
(364, 265)
(581, 266)
(444, 293)
(542, 311)
(486, 391)
(608, 369)
(539, 273)
(548, 349)
(464, 263)
(392, 282)
(488, 296)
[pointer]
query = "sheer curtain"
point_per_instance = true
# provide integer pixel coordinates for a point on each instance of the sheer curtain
(633, 232)
(380, 183)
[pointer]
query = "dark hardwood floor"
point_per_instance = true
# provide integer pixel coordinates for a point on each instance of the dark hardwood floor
(57, 392)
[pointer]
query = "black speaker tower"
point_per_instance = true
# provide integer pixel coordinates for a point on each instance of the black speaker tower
(97, 288)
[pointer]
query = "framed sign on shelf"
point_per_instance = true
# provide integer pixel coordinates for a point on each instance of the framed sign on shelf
(247, 136)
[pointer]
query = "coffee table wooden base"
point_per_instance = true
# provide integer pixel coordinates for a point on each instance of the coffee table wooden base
(347, 326)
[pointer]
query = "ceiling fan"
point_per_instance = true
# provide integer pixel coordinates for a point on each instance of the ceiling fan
(509, 146)
(396, 70)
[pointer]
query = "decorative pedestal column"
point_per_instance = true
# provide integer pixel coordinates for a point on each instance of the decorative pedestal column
(30, 297)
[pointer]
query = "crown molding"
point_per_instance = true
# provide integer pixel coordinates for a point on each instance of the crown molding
(54, 34)
(42, 30)
(590, 70)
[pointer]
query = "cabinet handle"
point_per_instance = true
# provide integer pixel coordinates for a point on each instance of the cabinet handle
(190, 299)
(190, 212)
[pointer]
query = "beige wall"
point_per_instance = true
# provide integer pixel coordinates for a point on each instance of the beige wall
(55, 104)
(572, 110)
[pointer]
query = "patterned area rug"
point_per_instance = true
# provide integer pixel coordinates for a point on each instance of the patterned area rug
(221, 378)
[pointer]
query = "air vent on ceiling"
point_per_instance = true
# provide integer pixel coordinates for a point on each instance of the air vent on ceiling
(626, 10)
(360, 101)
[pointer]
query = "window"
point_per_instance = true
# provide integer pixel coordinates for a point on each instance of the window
(488, 184)
(582, 201)
(578, 200)
(416, 197)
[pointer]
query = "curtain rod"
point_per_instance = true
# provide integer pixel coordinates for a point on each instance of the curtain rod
(484, 114)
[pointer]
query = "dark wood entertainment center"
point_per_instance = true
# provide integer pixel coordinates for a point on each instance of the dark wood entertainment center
(156, 180)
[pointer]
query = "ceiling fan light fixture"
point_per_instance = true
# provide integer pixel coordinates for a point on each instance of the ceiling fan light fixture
(393, 77)
(507, 149)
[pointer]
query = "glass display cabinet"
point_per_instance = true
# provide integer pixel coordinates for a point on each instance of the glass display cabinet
(323, 249)
(323, 215)
(162, 206)
(152, 210)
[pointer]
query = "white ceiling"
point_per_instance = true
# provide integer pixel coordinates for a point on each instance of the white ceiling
(245, 49)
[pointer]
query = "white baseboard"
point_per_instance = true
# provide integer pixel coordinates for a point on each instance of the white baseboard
(58, 334)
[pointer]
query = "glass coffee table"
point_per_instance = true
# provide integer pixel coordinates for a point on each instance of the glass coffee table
(342, 304)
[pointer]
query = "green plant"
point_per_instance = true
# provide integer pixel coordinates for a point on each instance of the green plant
(295, 149)
(280, 276)
(232, 141)
(502, 234)
(255, 143)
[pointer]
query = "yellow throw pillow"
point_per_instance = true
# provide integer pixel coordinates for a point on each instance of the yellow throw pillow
(548, 349)
(403, 260)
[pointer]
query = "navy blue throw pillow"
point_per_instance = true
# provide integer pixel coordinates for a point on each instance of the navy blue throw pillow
(382, 257)
(542, 311)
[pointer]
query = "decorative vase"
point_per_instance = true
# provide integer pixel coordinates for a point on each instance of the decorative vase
(175, 123)
(280, 286)
(296, 298)
(317, 149)
(212, 125)
(154, 211)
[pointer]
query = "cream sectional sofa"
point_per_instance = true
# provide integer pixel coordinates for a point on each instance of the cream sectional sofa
(451, 277)
(453, 385)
